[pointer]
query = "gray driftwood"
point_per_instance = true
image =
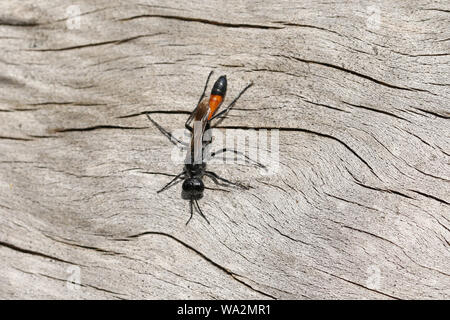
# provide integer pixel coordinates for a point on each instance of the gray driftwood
(359, 208)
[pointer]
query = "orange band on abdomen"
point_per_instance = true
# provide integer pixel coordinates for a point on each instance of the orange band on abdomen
(214, 103)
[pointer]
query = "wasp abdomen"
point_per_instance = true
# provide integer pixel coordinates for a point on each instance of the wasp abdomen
(220, 86)
(217, 94)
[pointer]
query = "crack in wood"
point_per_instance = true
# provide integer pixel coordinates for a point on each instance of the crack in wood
(155, 112)
(352, 72)
(34, 253)
(99, 127)
(430, 196)
(359, 285)
(96, 44)
(375, 110)
(200, 20)
(287, 129)
(15, 138)
(215, 264)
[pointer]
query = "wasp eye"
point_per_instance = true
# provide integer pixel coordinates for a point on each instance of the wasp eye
(198, 185)
(187, 185)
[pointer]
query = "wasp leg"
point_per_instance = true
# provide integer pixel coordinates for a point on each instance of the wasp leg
(188, 127)
(214, 177)
(256, 163)
(189, 120)
(172, 182)
(168, 134)
(224, 112)
(204, 89)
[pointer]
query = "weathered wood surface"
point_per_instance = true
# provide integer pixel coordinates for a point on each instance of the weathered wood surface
(359, 207)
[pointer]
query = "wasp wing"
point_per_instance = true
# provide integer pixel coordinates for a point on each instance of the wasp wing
(200, 117)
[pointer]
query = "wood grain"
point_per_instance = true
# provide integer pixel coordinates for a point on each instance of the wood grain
(360, 94)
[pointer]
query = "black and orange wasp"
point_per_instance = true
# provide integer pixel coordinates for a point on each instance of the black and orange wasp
(199, 122)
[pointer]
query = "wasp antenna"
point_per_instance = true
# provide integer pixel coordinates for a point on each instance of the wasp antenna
(192, 211)
(200, 211)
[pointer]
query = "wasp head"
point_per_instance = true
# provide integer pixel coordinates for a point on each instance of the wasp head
(192, 188)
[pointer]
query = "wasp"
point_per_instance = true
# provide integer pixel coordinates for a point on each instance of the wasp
(200, 121)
